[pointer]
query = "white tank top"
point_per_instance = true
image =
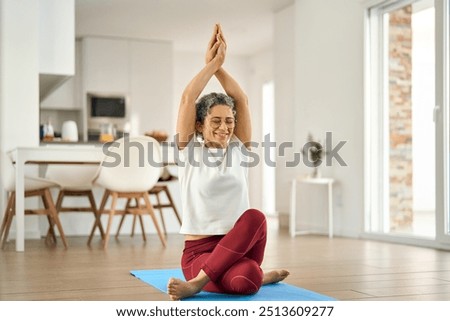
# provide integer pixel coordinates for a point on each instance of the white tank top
(214, 187)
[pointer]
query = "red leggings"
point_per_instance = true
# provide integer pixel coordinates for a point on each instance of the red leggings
(231, 261)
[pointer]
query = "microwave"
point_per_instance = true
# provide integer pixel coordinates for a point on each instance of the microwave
(107, 109)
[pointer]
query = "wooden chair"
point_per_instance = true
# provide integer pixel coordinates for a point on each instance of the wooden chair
(34, 187)
(163, 188)
(130, 179)
(75, 181)
(156, 191)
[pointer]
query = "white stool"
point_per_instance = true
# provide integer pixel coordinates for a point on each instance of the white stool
(328, 182)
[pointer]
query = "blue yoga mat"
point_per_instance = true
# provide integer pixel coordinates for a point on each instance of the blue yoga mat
(272, 292)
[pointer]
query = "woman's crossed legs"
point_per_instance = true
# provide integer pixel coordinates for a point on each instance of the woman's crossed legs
(227, 264)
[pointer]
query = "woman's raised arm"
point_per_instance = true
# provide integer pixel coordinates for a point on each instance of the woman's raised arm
(187, 113)
(243, 129)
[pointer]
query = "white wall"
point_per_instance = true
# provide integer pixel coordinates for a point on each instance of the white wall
(19, 73)
(20, 65)
(261, 71)
(19, 88)
(151, 85)
(284, 77)
(329, 95)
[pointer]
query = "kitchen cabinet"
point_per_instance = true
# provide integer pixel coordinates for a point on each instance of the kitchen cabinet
(56, 37)
(67, 96)
(56, 48)
(105, 65)
(142, 70)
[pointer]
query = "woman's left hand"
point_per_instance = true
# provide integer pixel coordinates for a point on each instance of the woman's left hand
(221, 51)
(213, 45)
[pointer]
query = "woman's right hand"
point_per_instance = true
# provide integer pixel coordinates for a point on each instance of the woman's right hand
(216, 48)
(221, 51)
(213, 45)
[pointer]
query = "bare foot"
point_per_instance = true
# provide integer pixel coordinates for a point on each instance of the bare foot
(275, 276)
(179, 289)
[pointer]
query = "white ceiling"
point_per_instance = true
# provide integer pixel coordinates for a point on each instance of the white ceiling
(188, 24)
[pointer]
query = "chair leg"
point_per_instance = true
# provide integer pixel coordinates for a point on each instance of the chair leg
(4, 231)
(161, 213)
(6, 215)
(120, 225)
(8, 226)
(90, 195)
(50, 238)
(133, 225)
(54, 215)
(138, 205)
(152, 215)
(59, 200)
(51, 231)
(111, 215)
(11, 215)
(97, 217)
(122, 219)
(141, 221)
(169, 197)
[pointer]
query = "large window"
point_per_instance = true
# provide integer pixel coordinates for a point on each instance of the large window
(406, 144)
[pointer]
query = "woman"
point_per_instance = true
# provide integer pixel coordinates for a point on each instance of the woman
(224, 239)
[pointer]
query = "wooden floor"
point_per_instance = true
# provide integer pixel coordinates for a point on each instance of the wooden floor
(346, 269)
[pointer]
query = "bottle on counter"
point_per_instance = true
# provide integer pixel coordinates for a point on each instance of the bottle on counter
(49, 133)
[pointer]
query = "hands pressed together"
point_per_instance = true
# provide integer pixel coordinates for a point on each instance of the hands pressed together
(217, 47)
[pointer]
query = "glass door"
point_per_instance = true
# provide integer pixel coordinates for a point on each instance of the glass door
(411, 131)
(406, 134)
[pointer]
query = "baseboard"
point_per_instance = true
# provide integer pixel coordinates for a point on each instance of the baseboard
(29, 235)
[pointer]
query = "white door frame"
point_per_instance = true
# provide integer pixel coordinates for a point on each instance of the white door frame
(375, 95)
(441, 116)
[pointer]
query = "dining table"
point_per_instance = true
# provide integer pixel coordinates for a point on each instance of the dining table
(48, 154)
(45, 155)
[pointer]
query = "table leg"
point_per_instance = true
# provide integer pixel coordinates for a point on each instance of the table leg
(330, 210)
(292, 220)
(20, 204)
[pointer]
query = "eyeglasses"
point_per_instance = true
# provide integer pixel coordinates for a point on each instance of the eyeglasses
(217, 122)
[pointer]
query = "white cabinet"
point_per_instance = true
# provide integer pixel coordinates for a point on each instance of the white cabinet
(105, 65)
(57, 37)
(67, 96)
(56, 46)
(139, 69)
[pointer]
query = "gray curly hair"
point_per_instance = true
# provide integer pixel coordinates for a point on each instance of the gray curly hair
(208, 101)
